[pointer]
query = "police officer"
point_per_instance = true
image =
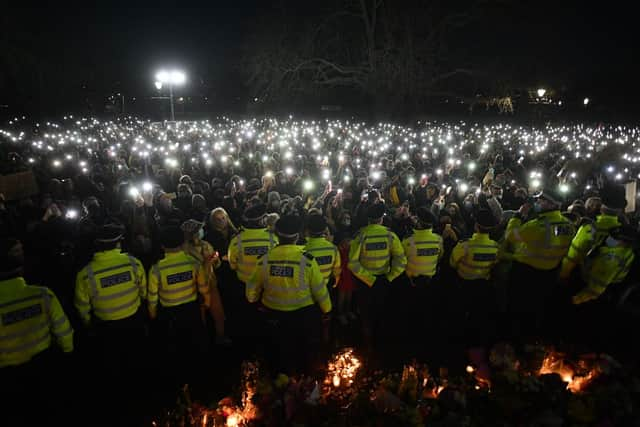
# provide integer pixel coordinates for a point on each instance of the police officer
(593, 234)
(253, 241)
(423, 249)
(537, 248)
(288, 283)
(605, 265)
(325, 253)
(419, 300)
(109, 290)
(473, 260)
(376, 258)
(31, 317)
(176, 282)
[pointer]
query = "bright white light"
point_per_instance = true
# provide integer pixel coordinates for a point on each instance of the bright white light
(158, 85)
(72, 214)
(173, 77)
(308, 185)
(586, 101)
(288, 170)
(438, 171)
(134, 192)
(411, 180)
(346, 178)
(535, 183)
(541, 92)
(472, 166)
(618, 176)
(610, 169)
(564, 188)
(56, 163)
(268, 174)
(464, 187)
(375, 175)
(147, 186)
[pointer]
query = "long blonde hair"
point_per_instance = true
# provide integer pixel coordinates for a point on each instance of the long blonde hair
(232, 228)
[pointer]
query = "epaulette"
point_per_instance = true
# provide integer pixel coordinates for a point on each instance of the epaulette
(308, 255)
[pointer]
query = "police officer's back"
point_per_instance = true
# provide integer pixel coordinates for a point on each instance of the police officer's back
(31, 318)
(288, 283)
(325, 253)
(253, 241)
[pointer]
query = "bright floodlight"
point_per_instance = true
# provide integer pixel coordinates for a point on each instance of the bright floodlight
(586, 101)
(541, 92)
(174, 77)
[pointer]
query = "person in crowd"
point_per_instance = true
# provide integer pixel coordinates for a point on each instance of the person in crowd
(209, 259)
(289, 284)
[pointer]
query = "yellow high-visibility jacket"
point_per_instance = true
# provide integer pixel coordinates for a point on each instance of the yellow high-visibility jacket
(246, 247)
(610, 264)
(587, 237)
(327, 256)
(423, 249)
(111, 285)
(474, 259)
(176, 279)
(376, 251)
(540, 243)
(287, 278)
(29, 316)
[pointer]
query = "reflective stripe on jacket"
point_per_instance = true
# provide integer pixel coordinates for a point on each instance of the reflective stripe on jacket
(246, 247)
(327, 256)
(376, 251)
(423, 250)
(176, 279)
(287, 278)
(474, 259)
(111, 286)
(542, 242)
(29, 316)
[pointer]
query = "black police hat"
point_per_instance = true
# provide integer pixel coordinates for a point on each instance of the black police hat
(613, 196)
(485, 218)
(376, 211)
(109, 233)
(316, 223)
(255, 212)
(425, 216)
(288, 225)
(171, 236)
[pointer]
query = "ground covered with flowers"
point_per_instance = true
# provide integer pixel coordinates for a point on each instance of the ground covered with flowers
(539, 386)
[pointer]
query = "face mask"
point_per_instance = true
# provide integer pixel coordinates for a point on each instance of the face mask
(201, 234)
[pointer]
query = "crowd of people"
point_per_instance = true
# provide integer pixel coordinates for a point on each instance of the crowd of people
(156, 246)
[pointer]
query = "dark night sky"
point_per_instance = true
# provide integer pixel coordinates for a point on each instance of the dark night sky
(589, 46)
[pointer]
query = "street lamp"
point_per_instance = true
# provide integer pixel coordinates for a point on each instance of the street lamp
(173, 77)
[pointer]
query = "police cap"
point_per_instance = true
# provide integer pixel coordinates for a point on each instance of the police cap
(171, 236)
(288, 226)
(425, 216)
(375, 211)
(255, 212)
(485, 218)
(109, 233)
(316, 224)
